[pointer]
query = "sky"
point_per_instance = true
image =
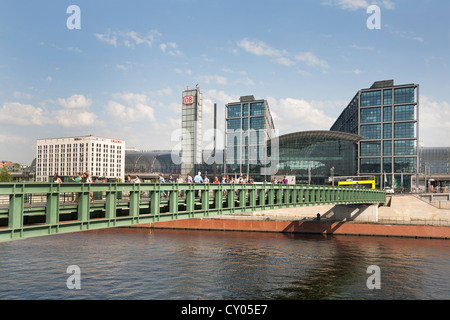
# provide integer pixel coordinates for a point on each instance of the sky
(117, 69)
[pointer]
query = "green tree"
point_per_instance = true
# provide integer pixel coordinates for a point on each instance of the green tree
(5, 176)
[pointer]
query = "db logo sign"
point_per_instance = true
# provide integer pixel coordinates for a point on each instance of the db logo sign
(188, 100)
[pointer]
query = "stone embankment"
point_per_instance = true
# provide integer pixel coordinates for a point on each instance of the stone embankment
(400, 216)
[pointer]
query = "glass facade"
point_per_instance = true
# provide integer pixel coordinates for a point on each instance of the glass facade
(387, 119)
(249, 126)
(435, 160)
(370, 115)
(162, 162)
(314, 153)
(371, 131)
(370, 98)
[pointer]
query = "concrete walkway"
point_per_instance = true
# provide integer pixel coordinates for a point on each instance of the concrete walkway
(399, 209)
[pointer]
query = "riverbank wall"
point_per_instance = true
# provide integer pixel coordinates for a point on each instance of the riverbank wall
(400, 216)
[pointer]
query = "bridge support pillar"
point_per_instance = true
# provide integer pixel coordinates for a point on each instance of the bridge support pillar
(110, 205)
(155, 199)
(218, 199)
(173, 202)
(231, 198)
(242, 198)
(190, 200)
(52, 209)
(15, 215)
(205, 200)
(83, 206)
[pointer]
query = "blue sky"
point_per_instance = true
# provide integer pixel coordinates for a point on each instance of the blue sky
(122, 74)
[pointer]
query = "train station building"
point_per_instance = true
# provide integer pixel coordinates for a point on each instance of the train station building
(387, 117)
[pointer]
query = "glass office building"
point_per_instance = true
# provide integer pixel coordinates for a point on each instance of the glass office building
(249, 126)
(387, 117)
(315, 156)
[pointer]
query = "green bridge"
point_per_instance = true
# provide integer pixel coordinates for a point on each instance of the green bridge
(38, 209)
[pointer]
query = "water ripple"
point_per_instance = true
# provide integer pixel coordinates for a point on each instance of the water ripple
(169, 264)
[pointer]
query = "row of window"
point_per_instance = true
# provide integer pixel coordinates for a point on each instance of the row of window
(242, 110)
(245, 138)
(75, 146)
(399, 165)
(401, 130)
(256, 123)
(237, 153)
(401, 113)
(401, 95)
(401, 148)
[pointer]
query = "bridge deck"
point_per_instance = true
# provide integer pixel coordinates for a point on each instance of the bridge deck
(37, 209)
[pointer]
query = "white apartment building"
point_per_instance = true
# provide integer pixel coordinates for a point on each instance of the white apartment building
(103, 157)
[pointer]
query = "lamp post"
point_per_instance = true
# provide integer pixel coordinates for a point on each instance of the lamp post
(332, 175)
(309, 175)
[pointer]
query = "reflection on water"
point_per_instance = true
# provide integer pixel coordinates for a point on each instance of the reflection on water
(173, 264)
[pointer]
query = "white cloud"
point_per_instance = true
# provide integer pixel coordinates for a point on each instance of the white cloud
(130, 97)
(227, 70)
(311, 59)
(109, 37)
(129, 39)
(213, 79)
(353, 5)
(170, 48)
(245, 81)
(75, 112)
(434, 121)
(294, 115)
(407, 35)
(281, 57)
(136, 113)
(15, 113)
(356, 71)
(163, 92)
(186, 71)
(285, 61)
(72, 118)
(18, 95)
(122, 67)
(77, 101)
(133, 38)
(259, 48)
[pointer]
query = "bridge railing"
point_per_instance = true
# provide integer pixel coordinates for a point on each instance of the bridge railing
(36, 209)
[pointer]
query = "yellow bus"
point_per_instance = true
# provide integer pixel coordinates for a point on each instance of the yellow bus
(358, 182)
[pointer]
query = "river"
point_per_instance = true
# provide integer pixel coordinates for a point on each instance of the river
(138, 264)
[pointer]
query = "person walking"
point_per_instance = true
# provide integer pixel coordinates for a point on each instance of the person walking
(77, 179)
(161, 180)
(198, 179)
(179, 180)
(87, 178)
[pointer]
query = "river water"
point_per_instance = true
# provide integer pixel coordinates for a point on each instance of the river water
(135, 263)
